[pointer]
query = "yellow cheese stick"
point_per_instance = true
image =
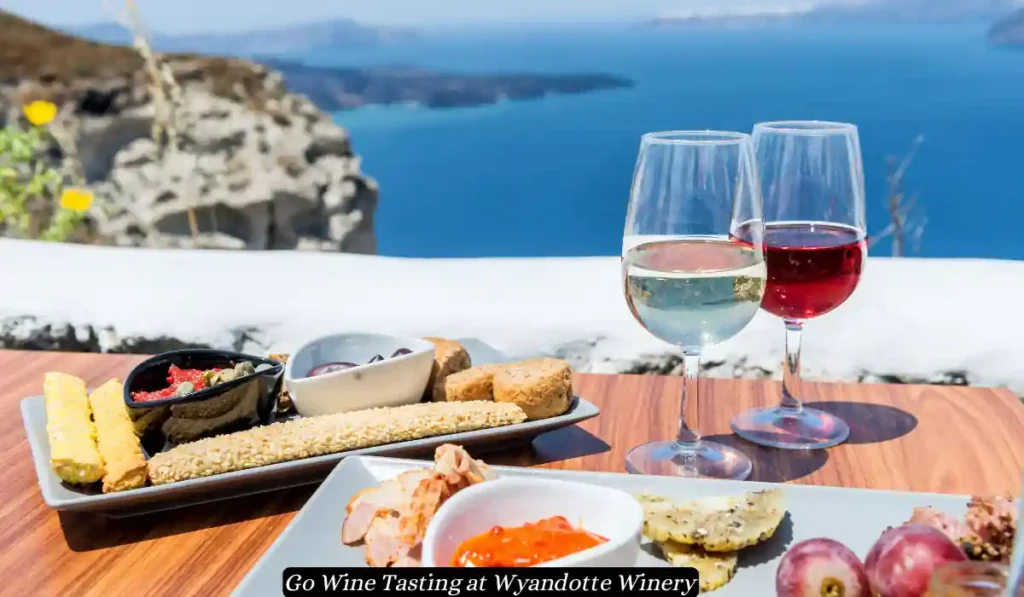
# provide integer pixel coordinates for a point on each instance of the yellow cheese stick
(115, 435)
(69, 428)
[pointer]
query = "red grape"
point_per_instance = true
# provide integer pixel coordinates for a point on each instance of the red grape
(821, 568)
(901, 562)
(329, 368)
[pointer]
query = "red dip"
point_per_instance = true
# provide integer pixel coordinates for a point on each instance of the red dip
(175, 377)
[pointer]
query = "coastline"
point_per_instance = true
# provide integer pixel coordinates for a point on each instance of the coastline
(335, 88)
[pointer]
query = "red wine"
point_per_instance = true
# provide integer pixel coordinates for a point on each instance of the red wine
(812, 267)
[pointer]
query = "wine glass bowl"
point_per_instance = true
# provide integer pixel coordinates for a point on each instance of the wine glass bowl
(815, 250)
(813, 268)
(690, 277)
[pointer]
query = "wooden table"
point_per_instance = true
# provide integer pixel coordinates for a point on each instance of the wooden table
(918, 438)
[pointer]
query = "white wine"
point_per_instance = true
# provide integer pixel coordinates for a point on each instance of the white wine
(693, 293)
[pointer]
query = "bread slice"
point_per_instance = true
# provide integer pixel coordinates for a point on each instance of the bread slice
(475, 383)
(449, 357)
(541, 387)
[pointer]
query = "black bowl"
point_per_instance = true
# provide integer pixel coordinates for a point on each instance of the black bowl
(230, 406)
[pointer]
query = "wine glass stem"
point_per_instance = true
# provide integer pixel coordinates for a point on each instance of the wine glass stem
(691, 384)
(791, 371)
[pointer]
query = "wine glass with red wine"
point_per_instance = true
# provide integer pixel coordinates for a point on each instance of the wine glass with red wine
(689, 279)
(812, 182)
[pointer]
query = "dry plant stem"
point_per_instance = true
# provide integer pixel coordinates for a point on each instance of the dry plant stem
(166, 98)
(65, 137)
(902, 227)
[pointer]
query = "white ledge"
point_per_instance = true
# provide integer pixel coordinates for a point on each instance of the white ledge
(910, 317)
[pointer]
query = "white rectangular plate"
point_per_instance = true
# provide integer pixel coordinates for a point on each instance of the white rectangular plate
(271, 477)
(855, 517)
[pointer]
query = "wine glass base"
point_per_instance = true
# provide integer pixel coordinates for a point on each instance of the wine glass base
(705, 459)
(791, 429)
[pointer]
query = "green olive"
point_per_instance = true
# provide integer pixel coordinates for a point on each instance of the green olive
(244, 368)
(210, 378)
(184, 388)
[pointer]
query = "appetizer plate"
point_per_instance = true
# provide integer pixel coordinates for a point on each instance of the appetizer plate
(855, 517)
(275, 476)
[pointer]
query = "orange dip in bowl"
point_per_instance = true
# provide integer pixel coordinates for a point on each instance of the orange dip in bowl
(524, 546)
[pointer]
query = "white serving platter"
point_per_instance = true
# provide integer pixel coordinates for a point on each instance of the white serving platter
(61, 496)
(855, 517)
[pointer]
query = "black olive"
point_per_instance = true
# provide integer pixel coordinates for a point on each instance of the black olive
(329, 368)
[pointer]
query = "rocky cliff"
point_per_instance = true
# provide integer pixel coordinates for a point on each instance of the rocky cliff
(250, 164)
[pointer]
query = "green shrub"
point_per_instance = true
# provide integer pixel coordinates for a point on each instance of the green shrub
(34, 201)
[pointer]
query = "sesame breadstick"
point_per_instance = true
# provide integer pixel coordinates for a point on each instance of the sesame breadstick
(327, 434)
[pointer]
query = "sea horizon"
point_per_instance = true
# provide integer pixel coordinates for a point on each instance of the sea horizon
(550, 177)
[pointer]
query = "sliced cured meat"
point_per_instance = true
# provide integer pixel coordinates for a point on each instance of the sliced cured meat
(383, 546)
(391, 497)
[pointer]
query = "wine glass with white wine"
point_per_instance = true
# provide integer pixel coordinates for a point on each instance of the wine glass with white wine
(693, 270)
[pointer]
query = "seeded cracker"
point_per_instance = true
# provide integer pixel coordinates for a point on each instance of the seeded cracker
(541, 387)
(714, 569)
(718, 524)
(475, 383)
(449, 357)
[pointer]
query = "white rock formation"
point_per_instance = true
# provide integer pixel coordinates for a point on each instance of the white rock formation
(260, 168)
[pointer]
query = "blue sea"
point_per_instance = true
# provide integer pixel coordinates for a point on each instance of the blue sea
(550, 177)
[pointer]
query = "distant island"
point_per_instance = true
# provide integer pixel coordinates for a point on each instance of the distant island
(333, 88)
(887, 11)
(1008, 30)
(339, 88)
(714, 15)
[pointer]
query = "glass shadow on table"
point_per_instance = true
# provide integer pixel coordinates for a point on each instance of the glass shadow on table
(561, 444)
(869, 423)
(772, 465)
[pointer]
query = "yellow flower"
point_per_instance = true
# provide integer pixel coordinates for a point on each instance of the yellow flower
(40, 112)
(76, 199)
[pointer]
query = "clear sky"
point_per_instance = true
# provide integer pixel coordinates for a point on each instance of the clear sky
(223, 15)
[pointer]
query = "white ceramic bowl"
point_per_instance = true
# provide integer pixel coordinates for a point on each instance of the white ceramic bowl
(610, 513)
(392, 382)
